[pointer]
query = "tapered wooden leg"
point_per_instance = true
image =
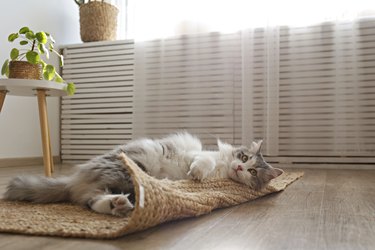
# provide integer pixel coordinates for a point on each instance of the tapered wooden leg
(46, 142)
(50, 151)
(3, 93)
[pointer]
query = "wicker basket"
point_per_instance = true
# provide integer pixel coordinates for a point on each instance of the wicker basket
(25, 70)
(98, 21)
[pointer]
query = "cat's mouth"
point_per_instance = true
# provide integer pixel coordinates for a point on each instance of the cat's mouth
(235, 173)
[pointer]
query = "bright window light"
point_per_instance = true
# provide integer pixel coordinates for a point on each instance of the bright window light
(150, 19)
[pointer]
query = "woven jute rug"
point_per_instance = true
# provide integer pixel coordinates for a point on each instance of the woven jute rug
(157, 201)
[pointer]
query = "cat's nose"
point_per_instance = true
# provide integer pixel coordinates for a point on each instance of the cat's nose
(239, 168)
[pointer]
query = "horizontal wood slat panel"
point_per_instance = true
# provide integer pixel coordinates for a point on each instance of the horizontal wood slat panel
(90, 152)
(99, 85)
(102, 59)
(76, 159)
(98, 111)
(78, 70)
(99, 116)
(94, 136)
(105, 89)
(102, 79)
(73, 127)
(97, 141)
(314, 99)
(108, 116)
(102, 95)
(88, 48)
(94, 100)
(87, 147)
(99, 74)
(98, 64)
(95, 121)
(92, 106)
(126, 50)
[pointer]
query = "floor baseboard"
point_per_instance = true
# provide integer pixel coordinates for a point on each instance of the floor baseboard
(25, 161)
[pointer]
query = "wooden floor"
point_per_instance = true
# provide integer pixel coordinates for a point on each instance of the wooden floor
(326, 209)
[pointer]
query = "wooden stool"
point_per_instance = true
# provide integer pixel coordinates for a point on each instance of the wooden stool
(41, 89)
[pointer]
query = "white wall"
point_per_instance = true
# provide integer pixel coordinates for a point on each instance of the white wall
(19, 119)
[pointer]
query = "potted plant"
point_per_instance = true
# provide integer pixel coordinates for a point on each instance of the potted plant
(27, 62)
(98, 20)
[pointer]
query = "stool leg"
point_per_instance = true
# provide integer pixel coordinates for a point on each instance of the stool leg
(3, 93)
(42, 104)
(51, 155)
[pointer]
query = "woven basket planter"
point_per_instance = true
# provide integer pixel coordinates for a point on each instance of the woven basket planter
(98, 21)
(25, 70)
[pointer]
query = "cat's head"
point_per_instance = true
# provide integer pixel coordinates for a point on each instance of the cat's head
(249, 167)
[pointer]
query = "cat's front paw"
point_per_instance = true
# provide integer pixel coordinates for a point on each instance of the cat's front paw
(120, 205)
(199, 170)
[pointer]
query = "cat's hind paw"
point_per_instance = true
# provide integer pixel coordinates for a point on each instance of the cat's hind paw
(115, 204)
(120, 205)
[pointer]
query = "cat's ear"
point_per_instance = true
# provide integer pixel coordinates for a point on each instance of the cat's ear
(272, 173)
(256, 146)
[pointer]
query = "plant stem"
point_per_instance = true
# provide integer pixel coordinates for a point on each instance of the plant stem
(32, 48)
(56, 52)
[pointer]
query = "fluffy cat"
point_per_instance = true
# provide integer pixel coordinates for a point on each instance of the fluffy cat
(105, 186)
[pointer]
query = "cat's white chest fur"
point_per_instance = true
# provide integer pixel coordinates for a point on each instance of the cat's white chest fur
(179, 157)
(221, 170)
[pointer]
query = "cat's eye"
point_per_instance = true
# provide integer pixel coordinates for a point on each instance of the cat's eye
(244, 158)
(252, 171)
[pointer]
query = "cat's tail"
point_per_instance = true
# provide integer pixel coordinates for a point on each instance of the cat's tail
(38, 189)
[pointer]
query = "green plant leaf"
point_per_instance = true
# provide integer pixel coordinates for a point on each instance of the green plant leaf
(24, 42)
(30, 35)
(49, 72)
(70, 88)
(50, 68)
(12, 37)
(23, 30)
(14, 53)
(5, 67)
(41, 37)
(41, 48)
(32, 57)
